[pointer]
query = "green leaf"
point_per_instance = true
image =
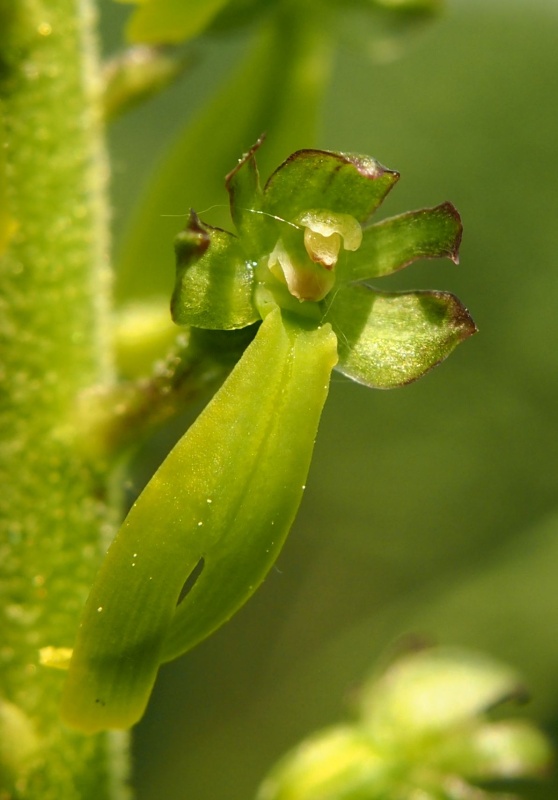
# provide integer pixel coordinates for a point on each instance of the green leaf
(214, 281)
(217, 511)
(342, 183)
(171, 21)
(396, 242)
(390, 339)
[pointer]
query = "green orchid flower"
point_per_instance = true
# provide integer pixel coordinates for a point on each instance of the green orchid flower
(425, 729)
(209, 525)
(305, 244)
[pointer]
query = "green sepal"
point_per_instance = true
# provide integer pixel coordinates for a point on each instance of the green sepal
(215, 514)
(342, 183)
(388, 339)
(214, 280)
(246, 196)
(396, 242)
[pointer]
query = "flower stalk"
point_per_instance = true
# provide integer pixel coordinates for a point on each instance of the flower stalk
(53, 326)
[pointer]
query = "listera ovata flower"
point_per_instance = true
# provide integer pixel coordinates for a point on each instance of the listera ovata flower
(305, 243)
(209, 525)
(424, 727)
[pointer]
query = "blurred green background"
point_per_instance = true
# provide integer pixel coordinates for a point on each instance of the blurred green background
(431, 511)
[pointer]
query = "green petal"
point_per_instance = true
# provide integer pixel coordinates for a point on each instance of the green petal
(214, 280)
(214, 515)
(342, 183)
(399, 241)
(390, 339)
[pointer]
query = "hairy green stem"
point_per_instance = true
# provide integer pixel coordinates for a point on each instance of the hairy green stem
(55, 517)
